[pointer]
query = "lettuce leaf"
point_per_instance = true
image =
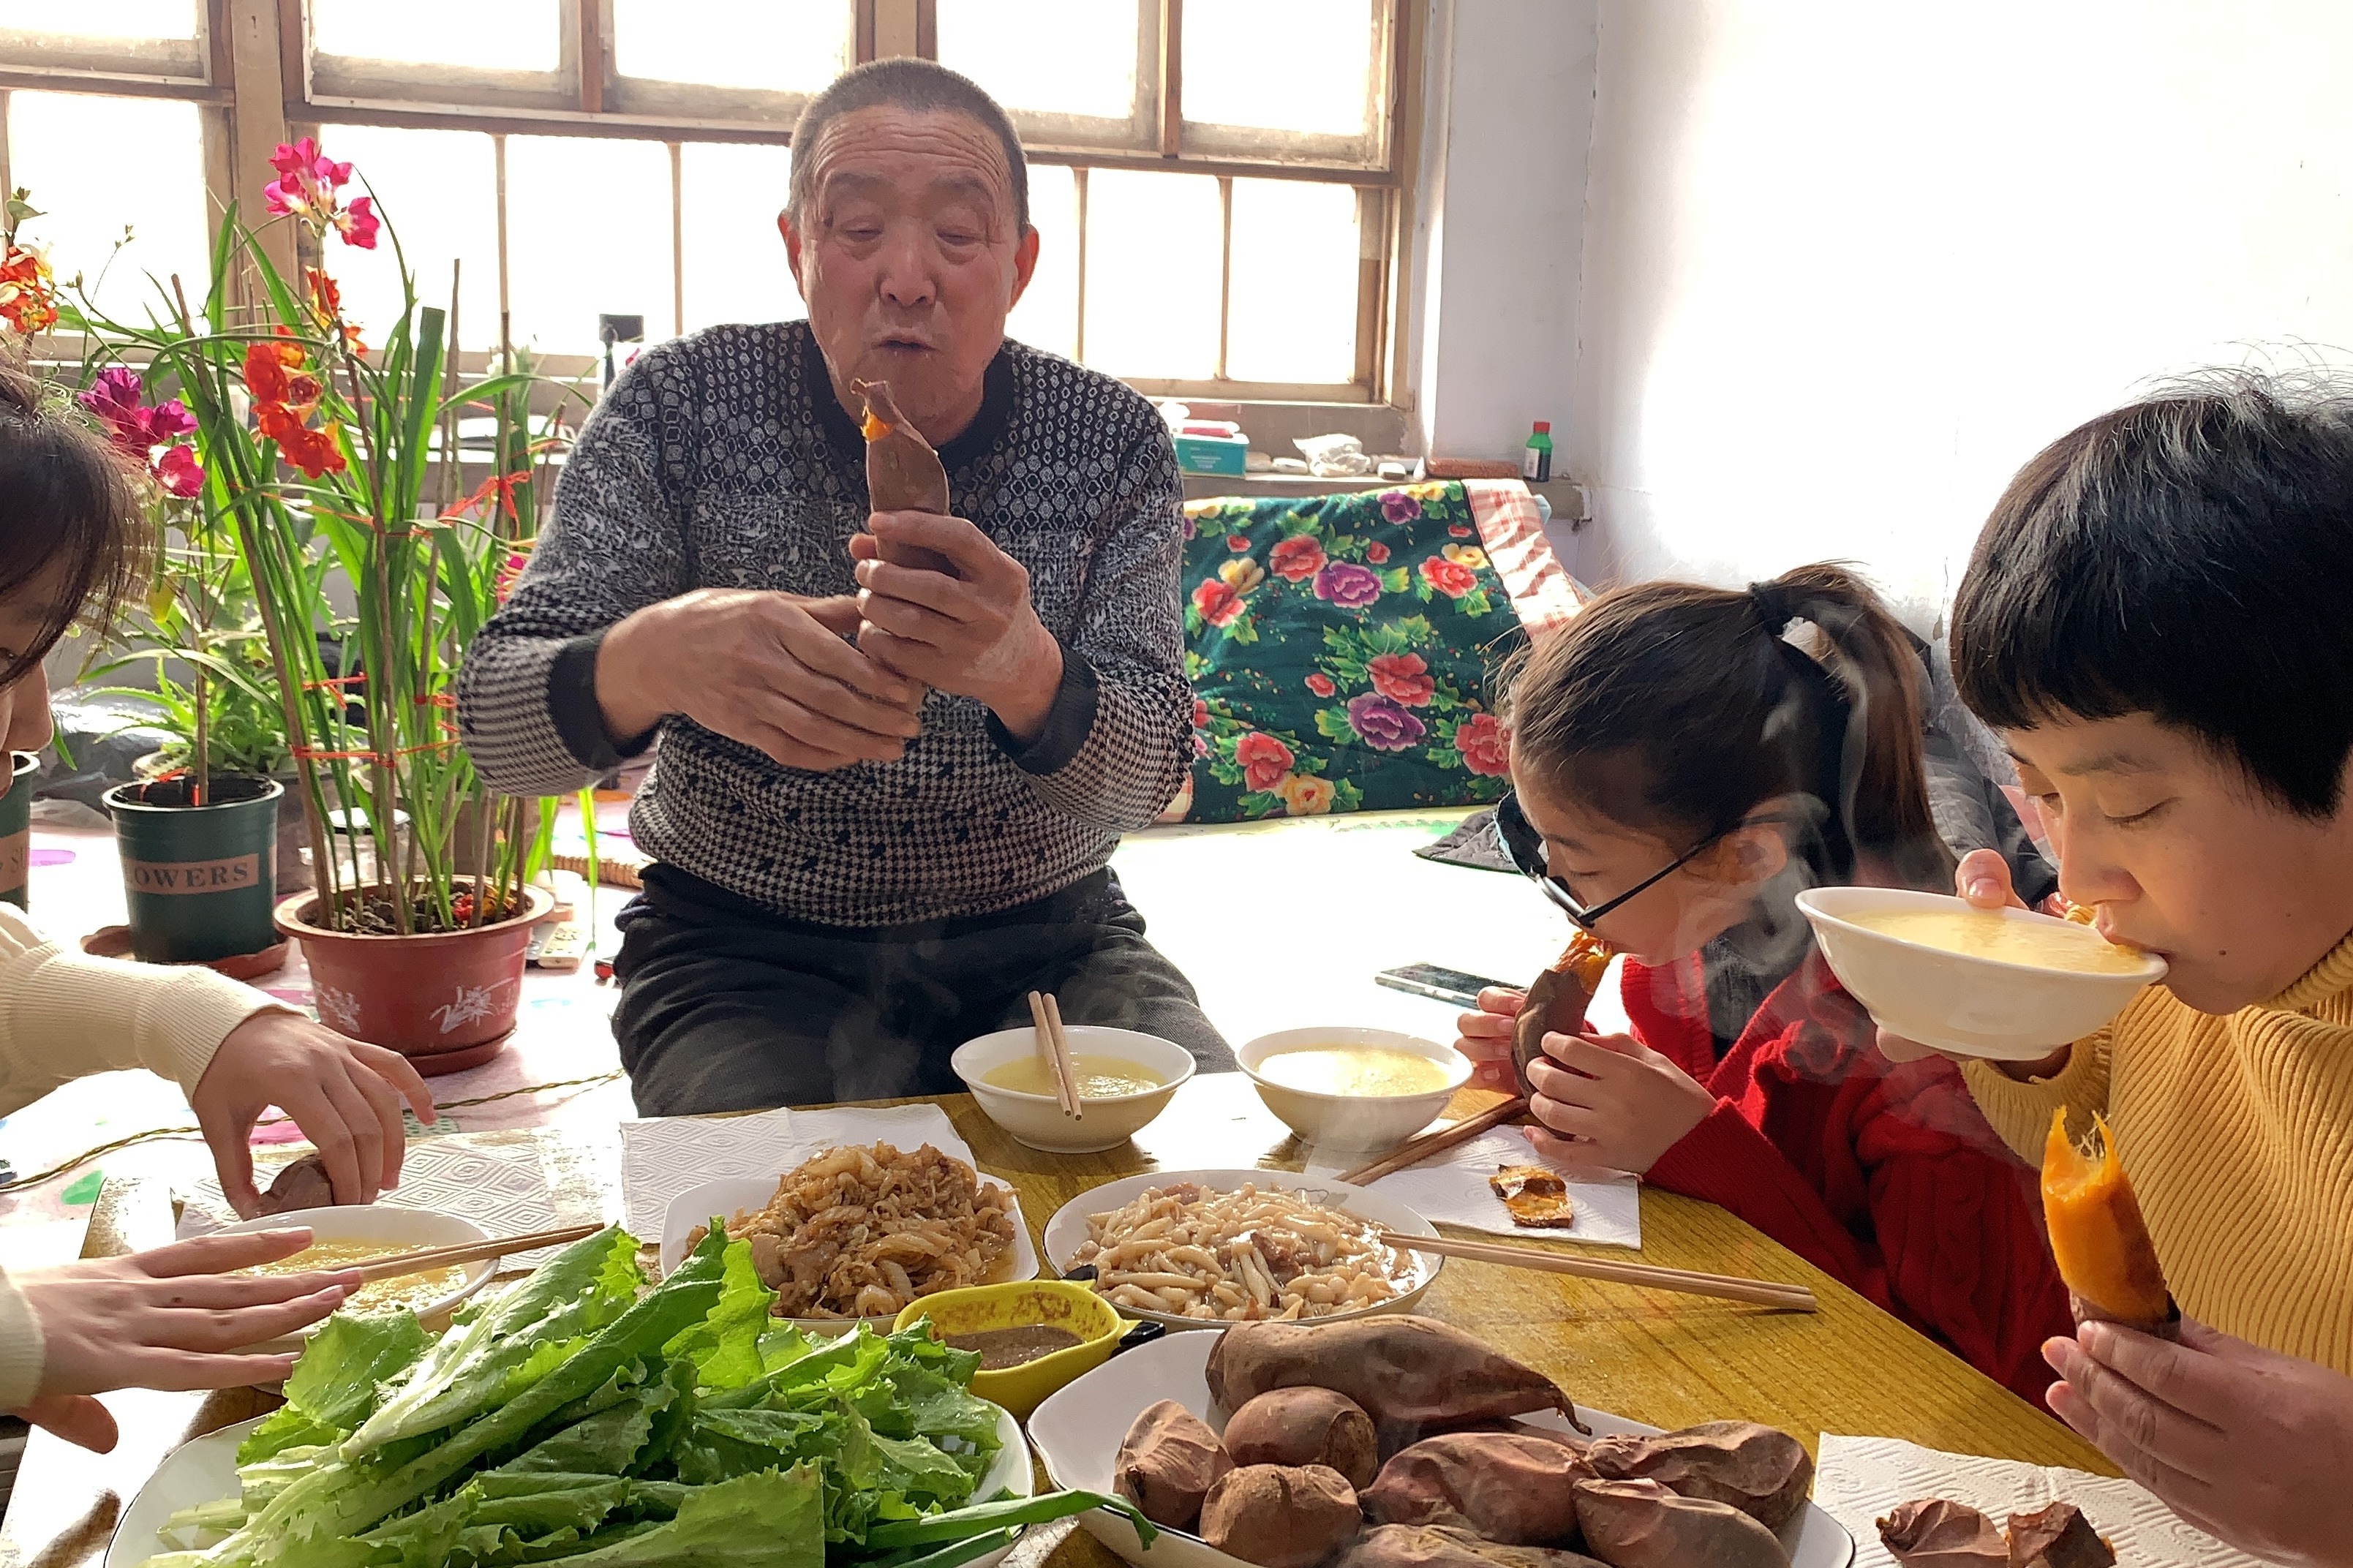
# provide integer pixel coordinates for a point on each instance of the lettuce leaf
(769, 1520)
(725, 1346)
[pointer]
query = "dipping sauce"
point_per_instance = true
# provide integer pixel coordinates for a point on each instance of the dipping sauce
(1355, 1071)
(414, 1292)
(1100, 1077)
(1003, 1348)
(1983, 933)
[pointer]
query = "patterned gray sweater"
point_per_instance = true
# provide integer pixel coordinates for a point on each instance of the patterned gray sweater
(723, 459)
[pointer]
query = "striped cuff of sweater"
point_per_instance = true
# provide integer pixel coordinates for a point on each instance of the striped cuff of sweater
(21, 1349)
(2021, 1112)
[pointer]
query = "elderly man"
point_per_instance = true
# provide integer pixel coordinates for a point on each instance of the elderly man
(886, 796)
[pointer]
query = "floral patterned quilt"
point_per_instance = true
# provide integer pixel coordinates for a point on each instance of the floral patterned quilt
(1340, 649)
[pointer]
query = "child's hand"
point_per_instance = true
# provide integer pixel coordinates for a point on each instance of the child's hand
(2245, 1444)
(1612, 1103)
(1485, 1037)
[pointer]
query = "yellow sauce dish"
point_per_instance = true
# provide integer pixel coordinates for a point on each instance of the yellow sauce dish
(1008, 1318)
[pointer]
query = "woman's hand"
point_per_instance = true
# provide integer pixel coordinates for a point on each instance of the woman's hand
(172, 1319)
(1611, 1103)
(346, 1096)
(2248, 1445)
(1485, 1037)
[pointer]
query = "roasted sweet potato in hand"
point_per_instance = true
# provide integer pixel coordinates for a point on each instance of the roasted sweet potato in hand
(2099, 1237)
(903, 472)
(2057, 1536)
(1447, 1546)
(1935, 1532)
(1280, 1516)
(1641, 1524)
(1557, 1001)
(1305, 1426)
(1760, 1470)
(302, 1184)
(1168, 1463)
(1516, 1491)
(1414, 1376)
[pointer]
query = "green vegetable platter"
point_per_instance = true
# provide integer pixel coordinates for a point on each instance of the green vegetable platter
(582, 1419)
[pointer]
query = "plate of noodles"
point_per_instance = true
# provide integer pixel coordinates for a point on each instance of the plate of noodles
(855, 1233)
(1199, 1249)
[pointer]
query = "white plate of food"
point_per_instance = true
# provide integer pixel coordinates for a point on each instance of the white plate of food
(856, 1229)
(355, 1233)
(205, 1469)
(1235, 1256)
(1079, 1429)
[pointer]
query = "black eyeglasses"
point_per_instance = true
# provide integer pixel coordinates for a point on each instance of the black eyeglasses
(1524, 846)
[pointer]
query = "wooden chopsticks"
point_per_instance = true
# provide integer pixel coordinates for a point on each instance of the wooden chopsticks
(1730, 1287)
(1054, 1045)
(418, 1262)
(1415, 1150)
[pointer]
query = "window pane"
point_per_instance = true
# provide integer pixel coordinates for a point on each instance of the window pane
(588, 232)
(94, 164)
(439, 190)
(789, 46)
(1048, 316)
(1152, 274)
(1305, 65)
(1054, 57)
(102, 19)
(1293, 316)
(736, 268)
(493, 34)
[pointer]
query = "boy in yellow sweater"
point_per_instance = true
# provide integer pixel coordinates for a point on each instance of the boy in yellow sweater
(2156, 618)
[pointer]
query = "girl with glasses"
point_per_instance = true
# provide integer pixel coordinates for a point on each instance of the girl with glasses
(1685, 761)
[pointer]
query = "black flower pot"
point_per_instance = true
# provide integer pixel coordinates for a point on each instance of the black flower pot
(200, 880)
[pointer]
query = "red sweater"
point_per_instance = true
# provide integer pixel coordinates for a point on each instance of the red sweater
(1882, 1174)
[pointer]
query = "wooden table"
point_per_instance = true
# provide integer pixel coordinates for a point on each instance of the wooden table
(1665, 1358)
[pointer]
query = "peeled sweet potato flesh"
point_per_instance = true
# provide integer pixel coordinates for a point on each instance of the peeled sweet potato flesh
(1449, 1546)
(1168, 1463)
(1936, 1532)
(1641, 1524)
(1280, 1516)
(1516, 1491)
(1413, 1376)
(2099, 1237)
(1305, 1426)
(2057, 1536)
(1762, 1471)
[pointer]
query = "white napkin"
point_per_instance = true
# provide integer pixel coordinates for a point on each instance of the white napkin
(1454, 1191)
(663, 1156)
(1861, 1479)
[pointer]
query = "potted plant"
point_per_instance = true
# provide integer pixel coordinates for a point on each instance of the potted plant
(320, 450)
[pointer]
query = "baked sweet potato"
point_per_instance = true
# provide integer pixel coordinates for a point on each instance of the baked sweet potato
(2057, 1536)
(1168, 1463)
(2099, 1237)
(1516, 1491)
(301, 1184)
(1641, 1524)
(1280, 1516)
(1760, 1470)
(903, 472)
(1414, 1376)
(1305, 1426)
(1936, 1532)
(1557, 1001)
(1447, 1546)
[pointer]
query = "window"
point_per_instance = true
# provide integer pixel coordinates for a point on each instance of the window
(1216, 184)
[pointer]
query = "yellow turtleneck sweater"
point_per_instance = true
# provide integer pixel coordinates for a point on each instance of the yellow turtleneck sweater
(2238, 1133)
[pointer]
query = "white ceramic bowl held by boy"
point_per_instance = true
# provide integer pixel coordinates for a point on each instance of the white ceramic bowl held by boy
(1958, 1002)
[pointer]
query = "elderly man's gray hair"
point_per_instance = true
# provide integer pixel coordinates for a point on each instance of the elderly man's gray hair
(905, 83)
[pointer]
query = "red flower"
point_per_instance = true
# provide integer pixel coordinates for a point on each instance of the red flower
(180, 473)
(1296, 559)
(1264, 760)
(1376, 554)
(1451, 578)
(1485, 745)
(1399, 675)
(1200, 714)
(1218, 604)
(282, 403)
(24, 291)
(1321, 684)
(312, 451)
(1238, 542)
(1458, 530)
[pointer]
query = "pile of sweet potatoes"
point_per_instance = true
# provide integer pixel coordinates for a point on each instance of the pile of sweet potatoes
(1388, 1442)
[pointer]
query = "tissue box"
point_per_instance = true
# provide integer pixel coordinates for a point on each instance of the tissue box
(1212, 454)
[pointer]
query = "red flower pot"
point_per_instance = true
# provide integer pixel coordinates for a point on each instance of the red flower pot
(445, 1000)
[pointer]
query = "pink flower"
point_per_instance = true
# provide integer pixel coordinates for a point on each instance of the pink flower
(116, 398)
(290, 162)
(1398, 507)
(1401, 676)
(1451, 578)
(179, 472)
(1485, 745)
(305, 188)
(1220, 604)
(1377, 553)
(1263, 760)
(1296, 559)
(358, 223)
(1321, 684)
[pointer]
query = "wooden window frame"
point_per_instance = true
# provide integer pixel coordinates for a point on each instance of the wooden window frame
(585, 96)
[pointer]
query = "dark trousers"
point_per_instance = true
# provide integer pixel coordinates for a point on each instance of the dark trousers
(726, 1007)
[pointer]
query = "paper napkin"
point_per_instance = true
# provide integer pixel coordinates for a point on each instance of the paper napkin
(1454, 1191)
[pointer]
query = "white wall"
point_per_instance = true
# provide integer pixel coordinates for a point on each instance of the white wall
(1499, 237)
(1848, 264)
